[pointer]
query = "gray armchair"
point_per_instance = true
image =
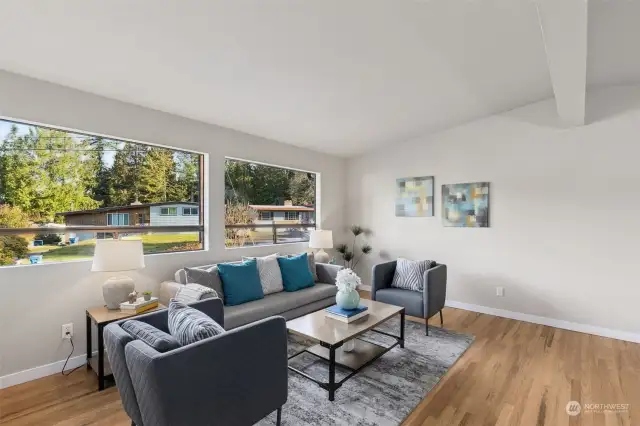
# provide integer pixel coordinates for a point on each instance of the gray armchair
(233, 379)
(424, 304)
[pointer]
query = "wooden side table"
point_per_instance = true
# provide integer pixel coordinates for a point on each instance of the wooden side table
(101, 317)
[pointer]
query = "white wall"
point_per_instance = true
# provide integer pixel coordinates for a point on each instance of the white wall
(156, 219)
(564, 236)
(36, 300)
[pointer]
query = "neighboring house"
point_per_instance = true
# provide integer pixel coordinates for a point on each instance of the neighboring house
(136, 214)
(287, 213)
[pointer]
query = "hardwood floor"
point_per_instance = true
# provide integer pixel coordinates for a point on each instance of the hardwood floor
(515, 373)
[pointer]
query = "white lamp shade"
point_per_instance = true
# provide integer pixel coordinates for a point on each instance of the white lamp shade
(321, 239)
(118, 255)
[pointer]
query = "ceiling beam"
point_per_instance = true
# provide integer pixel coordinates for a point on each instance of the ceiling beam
(564, 32)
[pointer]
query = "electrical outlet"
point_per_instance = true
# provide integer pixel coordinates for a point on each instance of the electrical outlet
(500, 291)
(67, 331)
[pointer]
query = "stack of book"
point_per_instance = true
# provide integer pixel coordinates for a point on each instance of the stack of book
(139, 305)
(346, 315)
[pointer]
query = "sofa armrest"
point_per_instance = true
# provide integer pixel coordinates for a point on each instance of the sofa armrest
(237, 377)
(168, 290)
(327, 273)
(382, 276)
(435, 290)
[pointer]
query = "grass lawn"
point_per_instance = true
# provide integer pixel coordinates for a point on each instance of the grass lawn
(152, 243)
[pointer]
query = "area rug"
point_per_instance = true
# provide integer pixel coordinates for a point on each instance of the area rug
(382, 394)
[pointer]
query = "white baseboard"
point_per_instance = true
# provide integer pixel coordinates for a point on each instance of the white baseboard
(39, 372)
(551, 322)
(365, 287)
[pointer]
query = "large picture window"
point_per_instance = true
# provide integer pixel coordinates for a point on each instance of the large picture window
(267, 204)
(61, 190)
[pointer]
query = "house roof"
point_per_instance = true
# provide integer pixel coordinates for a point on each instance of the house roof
(267, 208)
(128, 207)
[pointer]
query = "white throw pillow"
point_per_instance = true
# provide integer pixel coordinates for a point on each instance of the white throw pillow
(409, 274)
(269, 271)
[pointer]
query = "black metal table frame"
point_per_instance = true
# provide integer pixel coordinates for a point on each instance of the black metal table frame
(100, 326)
(331, 386)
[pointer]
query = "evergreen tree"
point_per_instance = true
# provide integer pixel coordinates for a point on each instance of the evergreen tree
(45, 172)
(158, 177)
(125, 174)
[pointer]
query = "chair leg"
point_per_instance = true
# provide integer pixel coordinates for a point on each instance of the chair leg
(441, 320)
(279, 416)
(426, 326)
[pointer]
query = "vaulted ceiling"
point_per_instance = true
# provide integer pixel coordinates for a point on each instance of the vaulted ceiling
(339, 76)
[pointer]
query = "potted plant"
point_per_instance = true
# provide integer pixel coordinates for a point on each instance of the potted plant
(350, 256)
(147, 295)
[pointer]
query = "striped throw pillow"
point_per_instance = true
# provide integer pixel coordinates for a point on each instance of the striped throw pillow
(190, 293)
(189, 325)
(409, 274)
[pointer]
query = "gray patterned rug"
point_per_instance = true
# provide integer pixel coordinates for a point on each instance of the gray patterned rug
(383, 393)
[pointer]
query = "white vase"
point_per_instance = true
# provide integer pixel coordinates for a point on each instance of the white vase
(347, 299)
(116, 290)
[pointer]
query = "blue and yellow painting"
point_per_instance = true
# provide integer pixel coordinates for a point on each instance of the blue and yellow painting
(414, 197)
(466, 205)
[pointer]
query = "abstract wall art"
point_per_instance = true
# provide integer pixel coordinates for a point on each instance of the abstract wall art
(466, 205)
(414, 197)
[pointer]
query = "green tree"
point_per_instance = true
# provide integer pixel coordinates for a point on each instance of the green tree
(124, 174)
(13, 217)
(101, 183)
(158, 178)
(302, 188)
(44, 172)
(188, 175)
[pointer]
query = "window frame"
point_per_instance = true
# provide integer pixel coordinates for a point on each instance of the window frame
(118, 215)
(269, 214)
(289, 212)
(202, 161)
(168, 211)
(191, 211)
(314, 216)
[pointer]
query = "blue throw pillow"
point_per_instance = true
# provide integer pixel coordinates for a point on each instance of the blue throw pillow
(295, 272)
(240, 282)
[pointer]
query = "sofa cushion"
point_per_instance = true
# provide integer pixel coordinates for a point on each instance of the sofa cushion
(206, 276)
(189, 325)
(157, 339)
(410, 300)
(296, 274)
(269, 271)
(240, 282)
(276, 304)
(409, 274)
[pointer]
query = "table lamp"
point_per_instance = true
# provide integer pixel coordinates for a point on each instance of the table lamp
(117, 256)
(321, 239)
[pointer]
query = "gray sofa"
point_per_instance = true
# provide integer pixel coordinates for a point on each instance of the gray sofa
(423, 304)
(233, 379)
(287, 304)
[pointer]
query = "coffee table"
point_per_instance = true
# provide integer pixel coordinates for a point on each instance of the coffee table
(332, 334)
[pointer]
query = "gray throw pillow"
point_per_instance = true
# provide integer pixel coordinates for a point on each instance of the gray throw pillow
(189, 325)
(206, 277)
(157, 339)
(409, 273)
